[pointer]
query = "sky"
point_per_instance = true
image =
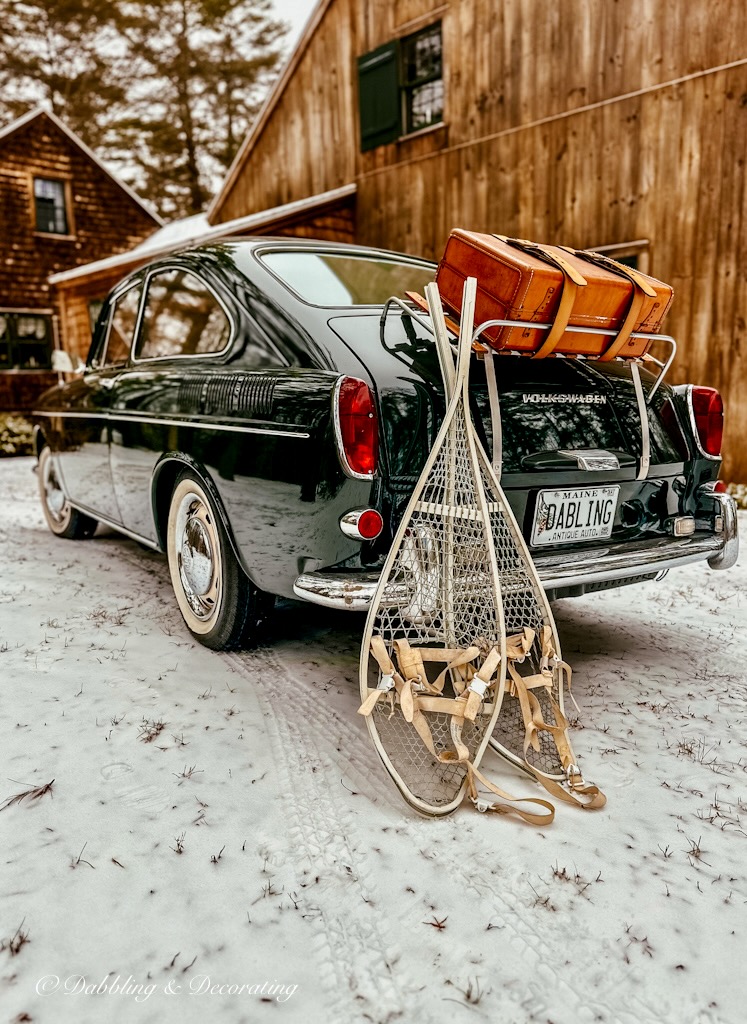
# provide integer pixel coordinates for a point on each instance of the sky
(296, 12)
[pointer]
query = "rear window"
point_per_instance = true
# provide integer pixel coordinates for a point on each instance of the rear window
(532, 424)
(530, 427)
(331, 279)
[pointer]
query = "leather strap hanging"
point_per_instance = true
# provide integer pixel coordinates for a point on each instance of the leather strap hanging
(576, 790)
(572, 281)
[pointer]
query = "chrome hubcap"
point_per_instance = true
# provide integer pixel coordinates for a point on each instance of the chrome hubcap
(198, 556)
(54, 496)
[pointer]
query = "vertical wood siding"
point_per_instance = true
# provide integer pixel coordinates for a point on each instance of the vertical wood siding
(585, 122)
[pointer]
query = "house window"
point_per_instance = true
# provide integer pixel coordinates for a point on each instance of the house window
(422, 79)
(25, 341)
(400, 87)
(51, 206)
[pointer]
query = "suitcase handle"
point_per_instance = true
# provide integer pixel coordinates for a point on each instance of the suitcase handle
(572, 281)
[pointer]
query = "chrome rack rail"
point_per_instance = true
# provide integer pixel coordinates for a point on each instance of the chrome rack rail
(643, 402)
(394, 300)
(524, 324)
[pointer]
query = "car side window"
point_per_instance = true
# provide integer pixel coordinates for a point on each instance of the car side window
(182, 318)
(122, 324)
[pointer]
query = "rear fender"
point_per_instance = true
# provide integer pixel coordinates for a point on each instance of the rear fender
(166, 471)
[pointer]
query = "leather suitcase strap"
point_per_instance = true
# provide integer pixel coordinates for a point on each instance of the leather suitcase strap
(608, 263)
(641, 289)
(572, 281)
(629, 324)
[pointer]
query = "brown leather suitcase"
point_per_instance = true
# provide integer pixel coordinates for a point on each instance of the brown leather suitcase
(520, 280)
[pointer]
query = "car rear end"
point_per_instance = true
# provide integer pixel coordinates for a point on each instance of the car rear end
(571, 451)
(572, 446)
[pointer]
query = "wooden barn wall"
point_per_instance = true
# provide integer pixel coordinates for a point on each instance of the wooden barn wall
(671, 170)
(304, 149)
(334, 223)
(507, 63)
(587, 122)
(310, 142)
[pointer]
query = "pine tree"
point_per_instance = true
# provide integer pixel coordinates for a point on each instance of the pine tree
(204, 66)
(67, 55)
(163, 91)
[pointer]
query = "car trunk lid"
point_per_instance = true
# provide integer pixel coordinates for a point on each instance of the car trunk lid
(553, 412)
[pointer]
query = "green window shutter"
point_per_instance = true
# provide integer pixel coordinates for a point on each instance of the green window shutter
(378, 96)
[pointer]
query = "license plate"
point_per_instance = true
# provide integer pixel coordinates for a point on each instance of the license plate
(573, 514)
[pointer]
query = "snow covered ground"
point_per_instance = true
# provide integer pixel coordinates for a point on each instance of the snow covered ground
(219, 821)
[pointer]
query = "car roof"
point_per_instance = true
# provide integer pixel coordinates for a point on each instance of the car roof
(257, 242)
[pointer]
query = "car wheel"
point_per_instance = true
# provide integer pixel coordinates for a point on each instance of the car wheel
(220, 605)
(62, 519)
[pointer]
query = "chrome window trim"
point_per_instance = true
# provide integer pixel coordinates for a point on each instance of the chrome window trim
(694, 427)
(163, 421)
(346, 467)
(136, 360)
(99, 365)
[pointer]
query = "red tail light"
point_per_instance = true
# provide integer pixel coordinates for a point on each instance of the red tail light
(362, 523)
(356, 428)
(708, 418)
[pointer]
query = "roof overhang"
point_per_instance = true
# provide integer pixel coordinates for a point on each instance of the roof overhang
(260, 223)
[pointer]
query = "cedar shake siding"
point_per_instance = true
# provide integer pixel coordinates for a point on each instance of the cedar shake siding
(101, 217)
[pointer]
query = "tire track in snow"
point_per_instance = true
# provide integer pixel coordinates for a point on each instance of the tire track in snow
(358, 963)
(581, 998)
(298, 715)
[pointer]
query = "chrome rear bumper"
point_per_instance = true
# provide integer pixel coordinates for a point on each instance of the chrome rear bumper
(563, 575)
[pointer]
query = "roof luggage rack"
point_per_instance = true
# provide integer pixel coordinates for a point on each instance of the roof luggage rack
(488, 354)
